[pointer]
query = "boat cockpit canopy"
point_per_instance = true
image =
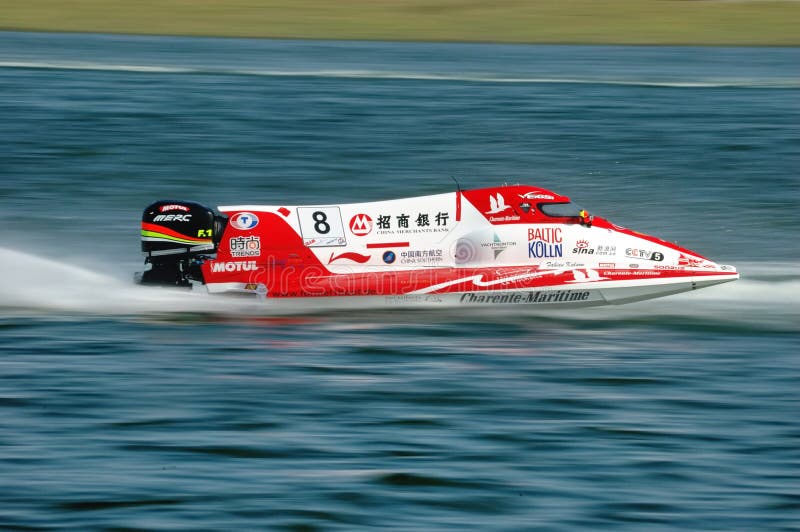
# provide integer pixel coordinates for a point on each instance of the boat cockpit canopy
(561, 210)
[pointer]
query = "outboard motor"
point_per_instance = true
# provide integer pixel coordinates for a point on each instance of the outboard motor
(177, 237)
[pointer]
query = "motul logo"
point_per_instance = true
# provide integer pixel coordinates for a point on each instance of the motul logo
(173, 218)
(174, 207)
(238, 266)
(360, 225)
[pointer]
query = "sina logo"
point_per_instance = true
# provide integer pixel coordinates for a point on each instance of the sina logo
(582, 248)
(497, 204)
(360, 225)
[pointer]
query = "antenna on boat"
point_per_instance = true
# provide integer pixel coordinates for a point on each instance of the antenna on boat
(458, 199)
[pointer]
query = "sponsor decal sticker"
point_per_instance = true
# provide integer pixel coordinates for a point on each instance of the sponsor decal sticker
(635, 273)
(244, 221)
(497, 245)
(423, 222)
(360, 225)
(234, 266)
(425, 256)
(685, 260)
(506, 218)
(534, 195)
(545, 242)
(552, 296)
(325, 242)
(563, 264)
(607, 250)
(389, 257)
(582, 248)
(497, 204)
(644, 254)
(174, 207)
(173, 218)
(241, 246)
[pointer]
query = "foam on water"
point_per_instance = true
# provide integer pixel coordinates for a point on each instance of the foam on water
(764, 298)
(40, 284)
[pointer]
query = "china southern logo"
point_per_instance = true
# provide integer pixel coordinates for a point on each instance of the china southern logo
(497, 204)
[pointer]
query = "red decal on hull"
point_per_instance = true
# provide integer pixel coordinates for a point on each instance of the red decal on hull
(355, 257)
(388, 245)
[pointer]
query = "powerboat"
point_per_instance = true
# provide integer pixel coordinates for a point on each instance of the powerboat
(508, 245)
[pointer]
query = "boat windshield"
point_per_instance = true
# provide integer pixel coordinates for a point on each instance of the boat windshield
(561, 210)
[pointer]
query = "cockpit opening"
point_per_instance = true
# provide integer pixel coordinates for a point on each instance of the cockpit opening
(567, 210)
(561, 210)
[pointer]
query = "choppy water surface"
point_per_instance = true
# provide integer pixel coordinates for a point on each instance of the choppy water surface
(131, 408)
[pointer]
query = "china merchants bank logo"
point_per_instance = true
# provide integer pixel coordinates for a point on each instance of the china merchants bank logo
(360, 225)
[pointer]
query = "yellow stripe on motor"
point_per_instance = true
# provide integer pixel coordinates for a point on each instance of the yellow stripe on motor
(162, 236)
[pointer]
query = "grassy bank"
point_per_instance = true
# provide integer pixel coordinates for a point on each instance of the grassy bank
(708, 22)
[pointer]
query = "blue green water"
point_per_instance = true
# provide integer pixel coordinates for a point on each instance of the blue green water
(138, 409)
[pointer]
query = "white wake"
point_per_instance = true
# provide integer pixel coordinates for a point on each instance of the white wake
(767, 296)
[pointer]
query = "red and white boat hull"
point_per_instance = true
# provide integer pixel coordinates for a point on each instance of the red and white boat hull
(517, 245)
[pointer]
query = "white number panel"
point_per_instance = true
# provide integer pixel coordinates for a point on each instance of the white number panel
(321, 226)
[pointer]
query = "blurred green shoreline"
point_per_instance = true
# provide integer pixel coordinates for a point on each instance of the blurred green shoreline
(654, 22)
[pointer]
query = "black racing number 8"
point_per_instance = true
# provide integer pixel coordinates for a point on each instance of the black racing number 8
(321, 224)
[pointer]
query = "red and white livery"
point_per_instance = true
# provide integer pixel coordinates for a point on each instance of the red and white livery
(511, 245)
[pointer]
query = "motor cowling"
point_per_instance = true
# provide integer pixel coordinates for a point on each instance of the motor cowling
(177, 236)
